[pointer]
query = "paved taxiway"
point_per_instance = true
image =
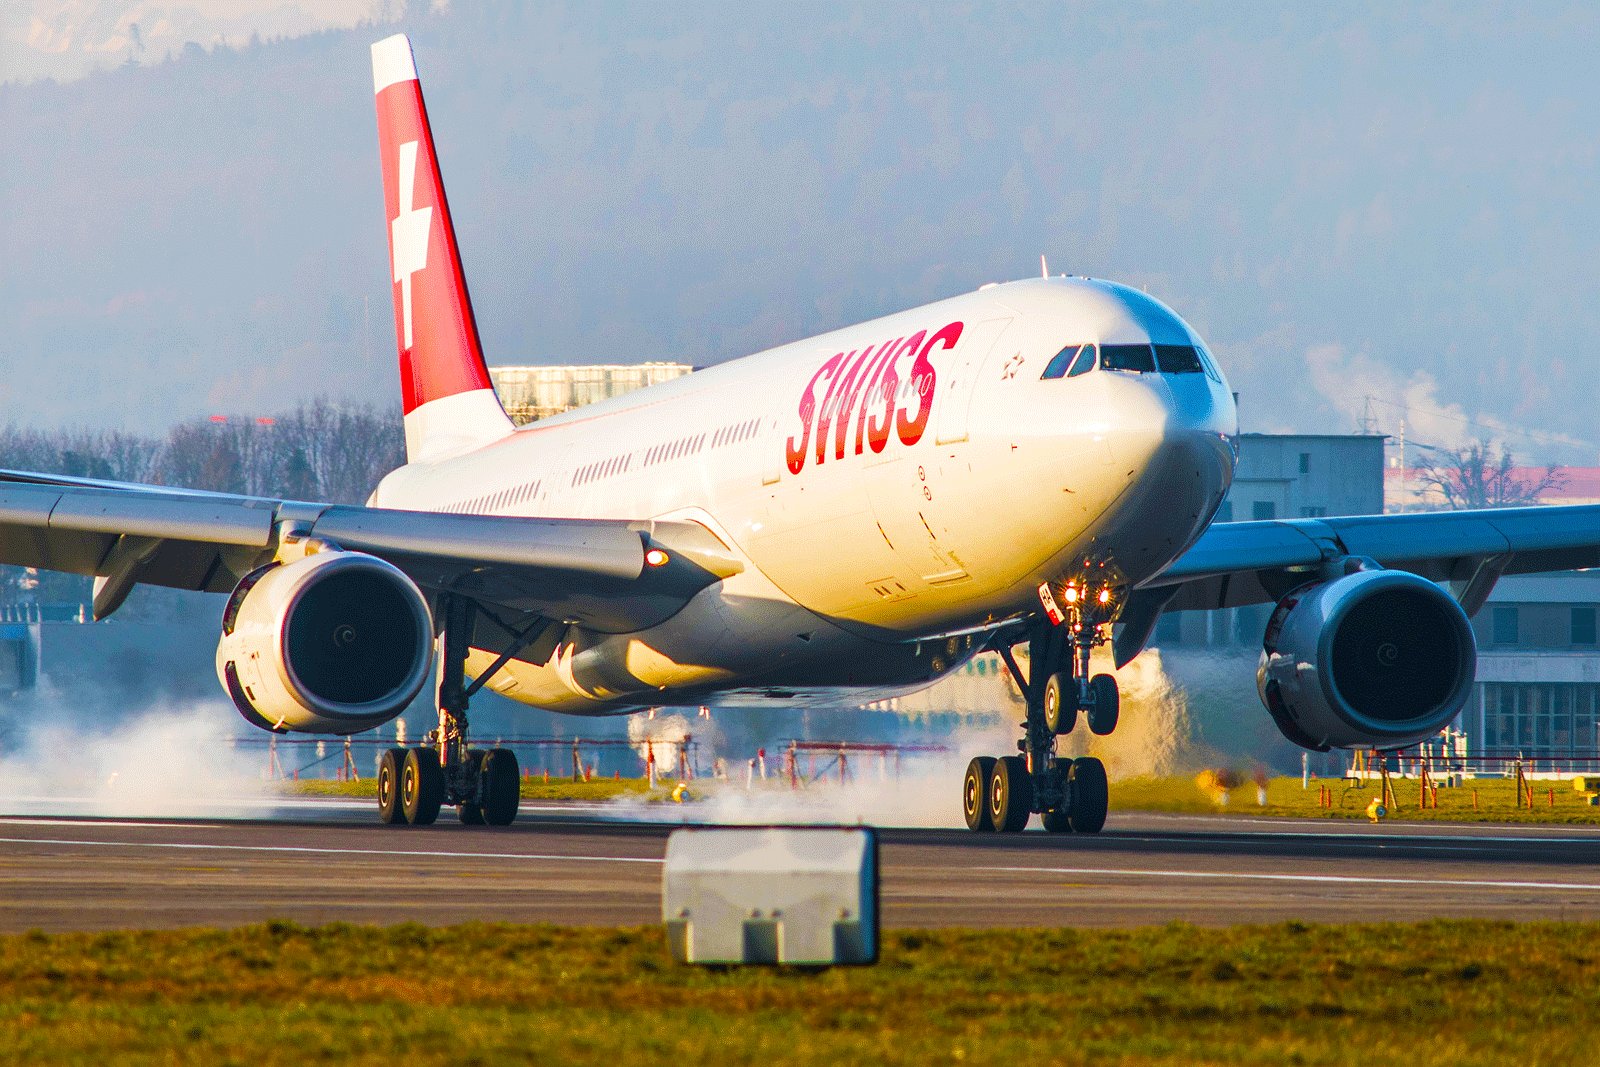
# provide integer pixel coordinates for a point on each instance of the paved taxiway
(317, 863)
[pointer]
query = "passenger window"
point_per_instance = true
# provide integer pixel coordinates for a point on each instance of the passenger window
(1178, 359)
(1084, 363)
(1135, 358)
(1057, 367)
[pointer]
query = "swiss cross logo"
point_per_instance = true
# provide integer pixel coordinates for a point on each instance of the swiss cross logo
(408, 233)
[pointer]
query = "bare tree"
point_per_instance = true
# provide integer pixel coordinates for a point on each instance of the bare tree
(1477, 477)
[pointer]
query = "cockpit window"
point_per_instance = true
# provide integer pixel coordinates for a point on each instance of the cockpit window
(1127, 357)
(1178, 359)
(1058, 364)
(1084, 363)
(1209, 363)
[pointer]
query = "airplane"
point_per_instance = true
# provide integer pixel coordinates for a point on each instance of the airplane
(836, 521)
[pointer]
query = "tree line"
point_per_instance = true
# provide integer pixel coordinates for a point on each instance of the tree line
(326, 451)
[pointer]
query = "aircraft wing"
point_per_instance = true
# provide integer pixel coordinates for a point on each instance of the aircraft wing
(587, 571)
(1239, 563)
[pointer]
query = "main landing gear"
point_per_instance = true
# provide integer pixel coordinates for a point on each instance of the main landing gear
(484, 786)
(1071, 795)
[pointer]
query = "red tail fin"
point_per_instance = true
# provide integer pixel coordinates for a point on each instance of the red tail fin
(449, 402)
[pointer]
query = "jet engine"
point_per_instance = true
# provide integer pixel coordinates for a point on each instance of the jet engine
(1373, 659)
(337, 642)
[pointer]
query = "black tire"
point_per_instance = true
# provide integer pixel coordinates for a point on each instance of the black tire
(1088, 795)
(1010, 794)
(1105, 704)
(1060, 704)
(975, 794)
(421, 786)
(502, 786)
(470, 810)
(1056, 821)
(390, 768)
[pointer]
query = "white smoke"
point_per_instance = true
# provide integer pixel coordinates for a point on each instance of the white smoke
(1350, 382)
(663, 736)
(170, 760)
(924, 789)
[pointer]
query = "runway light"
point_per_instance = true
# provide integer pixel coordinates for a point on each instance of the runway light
(655, 558)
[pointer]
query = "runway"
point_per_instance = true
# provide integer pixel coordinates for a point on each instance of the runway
(330, 861)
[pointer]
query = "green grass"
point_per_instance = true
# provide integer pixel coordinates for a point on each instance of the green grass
(532, 788)
(1496, 800)
(1459, 992)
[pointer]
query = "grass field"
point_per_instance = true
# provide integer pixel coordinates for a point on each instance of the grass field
(1496, 798)
(1439, 993)
(532, 788)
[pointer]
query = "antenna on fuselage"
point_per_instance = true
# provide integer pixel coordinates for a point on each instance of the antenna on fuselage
(1044, 271)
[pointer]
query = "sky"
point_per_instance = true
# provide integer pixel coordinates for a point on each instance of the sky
(1370, 212)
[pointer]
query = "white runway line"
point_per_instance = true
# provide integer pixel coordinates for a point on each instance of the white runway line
(1343, 879)
(305, 849)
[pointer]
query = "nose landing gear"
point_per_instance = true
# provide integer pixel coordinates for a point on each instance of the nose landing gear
(1071, 795)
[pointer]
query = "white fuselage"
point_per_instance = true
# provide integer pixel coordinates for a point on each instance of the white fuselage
(882, 526)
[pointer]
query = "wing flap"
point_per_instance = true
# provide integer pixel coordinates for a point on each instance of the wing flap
(1241, 563)
(586, 571)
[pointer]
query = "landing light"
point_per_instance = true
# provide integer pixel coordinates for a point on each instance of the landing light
(1071, 595)
(655, 557)
(1105, 596)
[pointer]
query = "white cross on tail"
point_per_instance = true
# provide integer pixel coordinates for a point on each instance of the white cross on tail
(408, 233)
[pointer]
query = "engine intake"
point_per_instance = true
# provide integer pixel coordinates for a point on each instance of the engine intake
(1375, 659)
(337, 642)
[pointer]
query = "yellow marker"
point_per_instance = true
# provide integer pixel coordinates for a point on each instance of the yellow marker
(678, 792)
(1376, 810)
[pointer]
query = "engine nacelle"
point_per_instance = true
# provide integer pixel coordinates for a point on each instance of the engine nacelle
(335, 643)
(1375, 659)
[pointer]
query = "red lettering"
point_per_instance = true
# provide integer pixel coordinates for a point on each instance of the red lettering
(870, 389)
(923, 380)
(848, 392)
(808, 404)
(878, 432)
(830, 406)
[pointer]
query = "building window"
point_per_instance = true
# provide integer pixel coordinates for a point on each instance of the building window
(1313, 513)
(1541, 720)
(1583, 626)
(1505, 626)
(1305, 463)
(1263, 509)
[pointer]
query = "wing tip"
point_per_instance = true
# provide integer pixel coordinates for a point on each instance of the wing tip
(392, 62)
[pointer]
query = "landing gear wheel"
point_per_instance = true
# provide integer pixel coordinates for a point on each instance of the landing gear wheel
(1088, 796)
(1056, 821)
(421, 786)
(1105, 704)
(975, 794)
(470, 810)
(1010, 794)
(390, 769)
(502, 786)
(1060, 709)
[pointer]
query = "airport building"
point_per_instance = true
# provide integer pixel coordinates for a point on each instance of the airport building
(531, 393)
(1538, 691)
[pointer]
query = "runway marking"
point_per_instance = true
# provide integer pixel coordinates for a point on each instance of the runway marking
(1263, 877)
(201, 846)
(1554, 830)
